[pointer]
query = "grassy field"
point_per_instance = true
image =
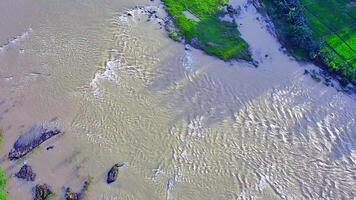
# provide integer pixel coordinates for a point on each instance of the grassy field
(215, 37)
(332, 28)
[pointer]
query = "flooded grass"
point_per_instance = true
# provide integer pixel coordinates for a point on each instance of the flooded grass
(215, 37)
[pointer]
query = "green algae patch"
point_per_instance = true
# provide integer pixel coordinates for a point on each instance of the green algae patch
(203, 28)
(318, 30)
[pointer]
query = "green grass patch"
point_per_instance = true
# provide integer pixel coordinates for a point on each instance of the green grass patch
(3, 179)
(215, 37)
(1, 135)
(3, 194)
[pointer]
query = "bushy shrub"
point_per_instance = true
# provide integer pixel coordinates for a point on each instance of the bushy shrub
(293, 28)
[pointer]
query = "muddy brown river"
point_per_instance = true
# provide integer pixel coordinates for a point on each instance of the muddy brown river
(186, 125)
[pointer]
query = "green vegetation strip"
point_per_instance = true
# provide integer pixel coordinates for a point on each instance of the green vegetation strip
(3, 180)
(319, 30)
(205, 30)
(3, 194)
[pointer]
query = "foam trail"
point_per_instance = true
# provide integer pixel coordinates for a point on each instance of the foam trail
(15, 39)
(108, 73)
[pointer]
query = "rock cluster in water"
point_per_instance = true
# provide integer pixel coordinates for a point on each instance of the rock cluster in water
(30, 140)
(26, 173)
(42, 192)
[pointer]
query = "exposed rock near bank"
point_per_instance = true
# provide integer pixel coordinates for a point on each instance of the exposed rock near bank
(30, 140)
(43, 192)
(114, 171)
(26, 173)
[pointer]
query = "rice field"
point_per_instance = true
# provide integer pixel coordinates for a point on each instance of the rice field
(333, 31)
(333, 24)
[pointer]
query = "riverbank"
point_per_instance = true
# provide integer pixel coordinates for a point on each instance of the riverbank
(322, 32)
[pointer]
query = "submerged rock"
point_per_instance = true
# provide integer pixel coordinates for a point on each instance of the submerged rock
(30, 140)
(114, 171)
(70, 195)
(315, 75)
(26, 173)
(86, 186)
(43, 192)
(255, 63)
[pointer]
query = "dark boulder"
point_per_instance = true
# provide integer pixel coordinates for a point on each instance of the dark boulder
(30, 140)
(49, 148)
(26, 173)
(114, 171)
(43, 192)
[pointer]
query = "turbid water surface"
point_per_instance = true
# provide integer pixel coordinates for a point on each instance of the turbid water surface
(186, 125)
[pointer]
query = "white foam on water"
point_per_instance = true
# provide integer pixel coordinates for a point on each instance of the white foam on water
(171, 183)
(127, 49)
(196, 127)
(136, 13)
(262, 183)
(108, 73)
(187, 60)
(16, 39)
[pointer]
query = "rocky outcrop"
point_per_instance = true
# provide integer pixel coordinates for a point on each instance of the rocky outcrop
(30, 140)
(26, 173)
(114, 171)
(42, 192)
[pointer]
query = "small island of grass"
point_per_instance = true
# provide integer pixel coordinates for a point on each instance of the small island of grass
(199, 23)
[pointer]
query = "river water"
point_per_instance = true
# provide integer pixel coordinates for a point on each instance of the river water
(186, 125)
